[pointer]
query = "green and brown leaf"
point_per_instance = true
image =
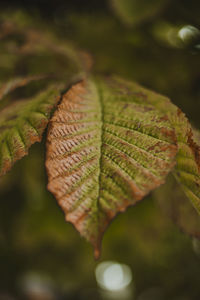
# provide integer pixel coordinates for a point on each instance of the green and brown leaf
(34, 69)
(22, 124)
(187, 169)
(107, 147)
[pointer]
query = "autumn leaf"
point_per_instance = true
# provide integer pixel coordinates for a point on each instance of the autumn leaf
(22, 123)
(187, 169)
(107, 147)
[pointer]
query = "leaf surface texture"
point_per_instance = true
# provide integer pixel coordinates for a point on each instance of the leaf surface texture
(22, 124)
(187, 169)
(106, 150)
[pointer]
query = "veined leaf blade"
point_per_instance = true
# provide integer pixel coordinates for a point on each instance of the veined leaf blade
(106, 150)
(22, 124)
(187, 169)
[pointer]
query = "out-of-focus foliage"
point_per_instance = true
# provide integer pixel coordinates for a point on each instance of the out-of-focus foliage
(174, 202)
(29, 47)
(38, 250)
(133, 12)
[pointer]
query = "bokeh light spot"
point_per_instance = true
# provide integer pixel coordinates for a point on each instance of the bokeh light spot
(188, 33)
(113, 276)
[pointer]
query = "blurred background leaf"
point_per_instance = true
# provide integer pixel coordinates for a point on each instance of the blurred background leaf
(134, 12)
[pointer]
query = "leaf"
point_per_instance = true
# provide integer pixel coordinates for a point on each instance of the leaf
(187, 169)
(106, 149)
(30, 61)
(22, 124)
(133, 12)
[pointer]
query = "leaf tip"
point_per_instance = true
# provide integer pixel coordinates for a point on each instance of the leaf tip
(97, 253)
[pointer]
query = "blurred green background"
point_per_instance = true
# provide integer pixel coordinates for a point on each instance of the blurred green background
(156, 43)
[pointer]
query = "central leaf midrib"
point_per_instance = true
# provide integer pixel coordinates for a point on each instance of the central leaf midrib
(99, 92)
